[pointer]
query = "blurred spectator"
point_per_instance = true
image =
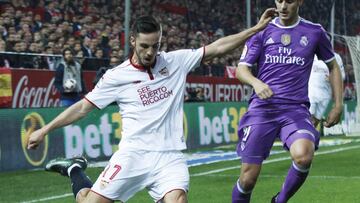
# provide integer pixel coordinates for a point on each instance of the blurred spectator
(4, 61)
(85, 47)
(200, 97)
(69, 80)
(190, 95)
(217, 68)
(48, 62)
(194, 95)
(114, 61)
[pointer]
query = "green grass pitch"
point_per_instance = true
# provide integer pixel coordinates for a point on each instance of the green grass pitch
(334, 178)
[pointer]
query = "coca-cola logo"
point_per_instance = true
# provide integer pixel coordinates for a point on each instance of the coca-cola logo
(26, 96)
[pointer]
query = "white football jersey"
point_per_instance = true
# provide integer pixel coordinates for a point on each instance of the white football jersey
(150, 102)
(319, 83)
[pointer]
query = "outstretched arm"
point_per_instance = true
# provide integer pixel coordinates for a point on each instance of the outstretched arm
(231, 42)
(337, 89)
(261, 89)
(70, 115)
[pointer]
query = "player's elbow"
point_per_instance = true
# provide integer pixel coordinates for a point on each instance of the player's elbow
(84, 107)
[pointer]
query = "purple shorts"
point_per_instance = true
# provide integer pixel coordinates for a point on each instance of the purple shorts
(259, 129)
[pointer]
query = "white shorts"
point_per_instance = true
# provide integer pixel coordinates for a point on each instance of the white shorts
(130, 171)
(317, 109)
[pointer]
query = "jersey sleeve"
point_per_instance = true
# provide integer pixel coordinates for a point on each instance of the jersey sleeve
(324, 50)
(251, 51)
(189, 58)
(104, 93)
(341, 65)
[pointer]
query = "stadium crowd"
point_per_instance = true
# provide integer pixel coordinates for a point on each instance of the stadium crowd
(94, 28)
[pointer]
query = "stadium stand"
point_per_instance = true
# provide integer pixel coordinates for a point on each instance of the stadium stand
(90, 27)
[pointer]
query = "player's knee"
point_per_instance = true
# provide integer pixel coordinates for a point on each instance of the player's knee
(82, 195)
(248, 182)
(303, 160)
(175, 196)
(302, 152)
(181, 198)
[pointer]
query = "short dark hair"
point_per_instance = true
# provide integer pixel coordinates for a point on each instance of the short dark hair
(145, 24)
(67, 49)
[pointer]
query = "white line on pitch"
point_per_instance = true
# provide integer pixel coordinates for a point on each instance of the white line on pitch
(49, 198)
(273, 160)
(210, 172)
(283, 176)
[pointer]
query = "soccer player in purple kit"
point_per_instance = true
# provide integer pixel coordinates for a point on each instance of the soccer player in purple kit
(284, 53)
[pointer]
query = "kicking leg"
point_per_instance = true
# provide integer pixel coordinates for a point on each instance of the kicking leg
(80, 183)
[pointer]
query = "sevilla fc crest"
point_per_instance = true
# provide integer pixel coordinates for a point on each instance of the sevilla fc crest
(164, 71)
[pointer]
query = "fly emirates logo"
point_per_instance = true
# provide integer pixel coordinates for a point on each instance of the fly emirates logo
(284, 57)
(149, 96)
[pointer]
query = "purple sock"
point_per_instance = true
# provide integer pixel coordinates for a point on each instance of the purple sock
(239, 195)
(295, 178)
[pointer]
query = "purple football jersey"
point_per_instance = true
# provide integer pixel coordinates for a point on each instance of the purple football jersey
(284, 56)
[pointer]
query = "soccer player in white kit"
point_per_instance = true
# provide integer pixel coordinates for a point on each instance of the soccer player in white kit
(149, 90)
(320, 87)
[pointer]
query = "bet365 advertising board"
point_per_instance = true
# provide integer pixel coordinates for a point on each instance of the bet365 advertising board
(97, 135)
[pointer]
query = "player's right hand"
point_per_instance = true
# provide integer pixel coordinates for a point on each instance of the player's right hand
(36, 138)
(262, 90)
(333, 117)
(266, 17)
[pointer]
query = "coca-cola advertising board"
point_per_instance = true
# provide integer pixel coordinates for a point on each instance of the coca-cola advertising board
(35, 88)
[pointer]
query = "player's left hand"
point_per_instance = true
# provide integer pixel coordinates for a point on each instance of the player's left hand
(333, 117)
(266, 17)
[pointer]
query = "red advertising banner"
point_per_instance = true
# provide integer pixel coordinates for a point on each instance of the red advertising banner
(35, 88)
(230, 71)
(218, 89)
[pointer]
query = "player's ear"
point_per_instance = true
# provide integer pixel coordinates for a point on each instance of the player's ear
(132, 40)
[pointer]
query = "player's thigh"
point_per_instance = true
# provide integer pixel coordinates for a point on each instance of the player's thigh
(300, 128)
(255, 142)
(171, 174)
(126, 174)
